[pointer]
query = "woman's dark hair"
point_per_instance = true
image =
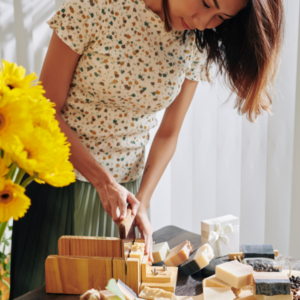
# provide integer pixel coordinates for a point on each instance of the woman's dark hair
(246, 48)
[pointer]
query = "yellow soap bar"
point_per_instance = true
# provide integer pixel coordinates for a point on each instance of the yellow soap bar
(213, 281)
(179, 254)
(137, 251)
(160, 252)
(217, 294)
(235, 274)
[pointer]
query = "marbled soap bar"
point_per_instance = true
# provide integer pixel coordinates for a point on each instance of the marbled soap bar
(270, 284)
(266, 251)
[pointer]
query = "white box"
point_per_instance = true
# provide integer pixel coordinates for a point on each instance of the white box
(222, 233)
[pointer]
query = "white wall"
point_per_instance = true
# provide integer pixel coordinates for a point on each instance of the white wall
(223, 164)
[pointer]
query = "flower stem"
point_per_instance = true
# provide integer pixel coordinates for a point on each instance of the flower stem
(11, 171)
(27, 181)
(19, 177)
(2, 229)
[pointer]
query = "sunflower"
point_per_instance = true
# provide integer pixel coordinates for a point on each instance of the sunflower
(15, 121)
(13, 201)
(13, 77)
(37, 152)
(3, 168)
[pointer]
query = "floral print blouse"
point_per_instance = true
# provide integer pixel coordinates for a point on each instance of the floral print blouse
(129, 69)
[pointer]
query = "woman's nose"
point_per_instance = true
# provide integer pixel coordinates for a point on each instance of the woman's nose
(201, 22)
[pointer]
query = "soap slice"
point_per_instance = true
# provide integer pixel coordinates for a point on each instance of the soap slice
(266, 251)
(217, 294)
(152, 293)
(160, 252)
(179, 254)
(128, 293)
(270, 284)
(235, 274)
(91, 295)
(106, 295)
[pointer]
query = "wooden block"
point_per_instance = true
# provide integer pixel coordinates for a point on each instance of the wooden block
(94, 246)
(133, 274)
(76, 275)
(119, 269)
(167, 286)
(162, 276)
(145, 267)
(64, 245)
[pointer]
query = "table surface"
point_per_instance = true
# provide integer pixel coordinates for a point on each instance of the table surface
(186, 285)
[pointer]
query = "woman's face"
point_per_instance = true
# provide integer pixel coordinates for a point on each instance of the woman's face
(202, 14)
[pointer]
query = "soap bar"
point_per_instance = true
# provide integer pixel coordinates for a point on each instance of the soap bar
(266, 251)
(128, 293)
(200, 260)
(270, 284)
(217, 294)
(245, 295)
(137, 251)
(153, 293)
(235, 274)
(107, 295)
(91, 295)
(179, 254)
(160, 252)
(275, 297)
(213, 281)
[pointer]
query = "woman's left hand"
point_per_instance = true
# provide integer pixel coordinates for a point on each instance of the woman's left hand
(146, 230)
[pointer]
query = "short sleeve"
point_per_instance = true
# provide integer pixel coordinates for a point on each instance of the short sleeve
(198, 69)
(73, 23)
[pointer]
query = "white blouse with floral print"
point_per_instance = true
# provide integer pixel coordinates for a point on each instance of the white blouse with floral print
(129, 69)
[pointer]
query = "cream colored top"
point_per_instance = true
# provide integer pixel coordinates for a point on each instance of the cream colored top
(129, 69)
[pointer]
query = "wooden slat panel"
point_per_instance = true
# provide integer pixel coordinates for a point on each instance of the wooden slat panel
(119, 269)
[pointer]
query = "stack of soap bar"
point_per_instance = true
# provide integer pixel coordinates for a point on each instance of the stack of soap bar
(179, 254)
(128, 293)
(235, 274)
(266, 251)
(213, 281)
(200, 260)
(271, 284)
(137, 251)
(105, 295)
(160, 252)
(153, 293)
(217, 293)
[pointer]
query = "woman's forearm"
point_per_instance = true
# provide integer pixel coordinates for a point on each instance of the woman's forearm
(82, 160)
(161, 152)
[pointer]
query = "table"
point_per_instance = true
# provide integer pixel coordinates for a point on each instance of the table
(191, 285)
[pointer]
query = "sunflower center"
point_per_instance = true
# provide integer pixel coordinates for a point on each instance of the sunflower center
(6, 197)
(2, 121)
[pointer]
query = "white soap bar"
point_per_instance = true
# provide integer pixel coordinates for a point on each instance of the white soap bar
(137, 251)
(152, 293)
(218, 293)
(235, 274)
(204, 255)
(179, 254)
(160, 252)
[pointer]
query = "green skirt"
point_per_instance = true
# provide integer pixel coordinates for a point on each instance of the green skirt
(72, 210)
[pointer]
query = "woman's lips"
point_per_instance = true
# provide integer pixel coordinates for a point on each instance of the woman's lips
(185, 25)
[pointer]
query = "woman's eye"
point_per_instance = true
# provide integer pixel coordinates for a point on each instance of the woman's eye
(205, 4)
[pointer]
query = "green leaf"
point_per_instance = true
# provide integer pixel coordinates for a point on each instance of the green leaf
(113, 288)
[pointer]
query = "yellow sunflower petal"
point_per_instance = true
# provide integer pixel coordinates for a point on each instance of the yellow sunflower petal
(13, 201)
(3, 168)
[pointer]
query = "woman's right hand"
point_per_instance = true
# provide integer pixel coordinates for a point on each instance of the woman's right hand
(114, 196)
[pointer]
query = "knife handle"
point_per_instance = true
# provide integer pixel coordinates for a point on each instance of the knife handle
(126, 226)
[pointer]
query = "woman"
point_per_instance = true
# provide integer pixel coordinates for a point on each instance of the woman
(110, 66)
